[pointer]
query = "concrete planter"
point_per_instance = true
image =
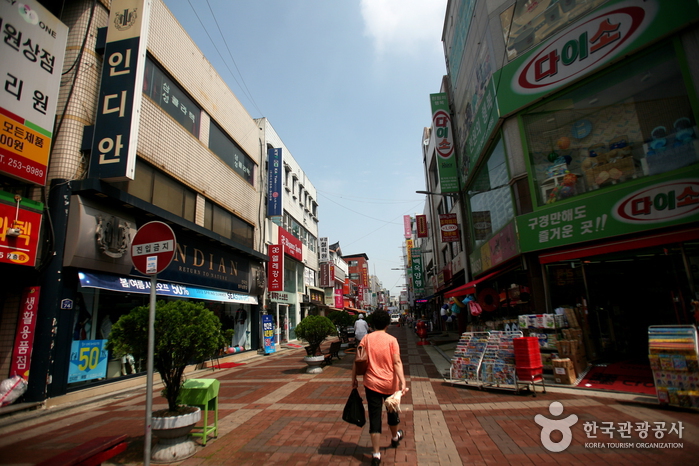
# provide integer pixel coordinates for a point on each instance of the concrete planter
(174, 443)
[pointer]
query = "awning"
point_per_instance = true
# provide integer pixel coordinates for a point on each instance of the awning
(470, 287)
(352, 310)
(648, 241)
(140, 286)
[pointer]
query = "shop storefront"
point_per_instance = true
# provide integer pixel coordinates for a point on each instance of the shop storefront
(581, 168)
(101, 285)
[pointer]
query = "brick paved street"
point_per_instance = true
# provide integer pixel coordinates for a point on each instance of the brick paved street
(273, 413)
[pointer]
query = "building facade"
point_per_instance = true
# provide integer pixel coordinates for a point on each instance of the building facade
(576, 142)
(146, 130)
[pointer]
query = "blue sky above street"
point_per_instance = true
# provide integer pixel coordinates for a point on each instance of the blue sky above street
(346, 85)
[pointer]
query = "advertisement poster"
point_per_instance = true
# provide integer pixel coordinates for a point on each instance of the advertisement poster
(20, 227)
(268, 333)
(88, 360)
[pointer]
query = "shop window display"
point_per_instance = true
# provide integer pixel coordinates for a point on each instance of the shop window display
(632, 122)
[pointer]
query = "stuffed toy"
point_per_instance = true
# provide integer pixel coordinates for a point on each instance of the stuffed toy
(684, 132)
(659, 141)
(564, 190)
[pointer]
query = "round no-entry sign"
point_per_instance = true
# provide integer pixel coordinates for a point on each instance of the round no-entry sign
(153, 248)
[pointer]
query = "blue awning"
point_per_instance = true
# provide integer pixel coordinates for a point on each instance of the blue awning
(137, 285)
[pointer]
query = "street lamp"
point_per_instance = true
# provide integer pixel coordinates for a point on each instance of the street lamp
(437, 194)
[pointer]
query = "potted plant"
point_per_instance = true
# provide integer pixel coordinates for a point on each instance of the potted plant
(185, 332)
(314, 330)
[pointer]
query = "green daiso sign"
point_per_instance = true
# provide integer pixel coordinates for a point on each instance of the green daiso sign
(661, 202)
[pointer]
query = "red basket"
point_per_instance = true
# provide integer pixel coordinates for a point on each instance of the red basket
(525, 343)
(529, 373)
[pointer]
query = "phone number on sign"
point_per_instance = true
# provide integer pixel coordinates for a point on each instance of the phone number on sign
(18, 165)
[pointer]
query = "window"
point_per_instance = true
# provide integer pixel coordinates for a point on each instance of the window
(171, 98)
(223, 146)
(221, 221)
(490, 199)
(352, 263)
(159, 189)
(632, 122)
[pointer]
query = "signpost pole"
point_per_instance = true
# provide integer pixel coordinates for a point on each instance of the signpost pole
(149, 372)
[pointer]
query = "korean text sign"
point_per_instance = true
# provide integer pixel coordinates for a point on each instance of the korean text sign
(31, 62)
(268, 333)
(274, 182)
(119, 100)
(652, 204)
(24, 340)
(275, 271)
(25, 219)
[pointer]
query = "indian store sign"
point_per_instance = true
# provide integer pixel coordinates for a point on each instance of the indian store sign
(644, 206)
(607, 34)
(584, 47)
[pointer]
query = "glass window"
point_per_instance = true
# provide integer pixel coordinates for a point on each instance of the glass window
(527, 22)
(223, 146)
(490, 200)
(632, 122)
(219, 220)
(171, 98)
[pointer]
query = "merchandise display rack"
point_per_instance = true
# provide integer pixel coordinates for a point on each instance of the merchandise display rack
(498, 364)
(466, 363)
(673, 352)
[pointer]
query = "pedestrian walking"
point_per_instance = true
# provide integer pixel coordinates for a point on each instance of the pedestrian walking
(384, 376)
(361, 328)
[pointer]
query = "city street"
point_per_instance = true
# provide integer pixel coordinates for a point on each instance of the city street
(272, 413)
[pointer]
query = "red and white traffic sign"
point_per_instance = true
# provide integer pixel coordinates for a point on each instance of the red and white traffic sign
(153, 248)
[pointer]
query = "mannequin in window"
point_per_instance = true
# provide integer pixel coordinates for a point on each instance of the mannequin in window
(241, 326)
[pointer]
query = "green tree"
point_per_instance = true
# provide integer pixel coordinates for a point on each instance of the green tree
(314, 330)
(185, 332)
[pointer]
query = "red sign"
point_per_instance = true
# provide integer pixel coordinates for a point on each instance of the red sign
(153, 248)
(292, 246)
(19, 235)
(449, 227)
(327, 275)
(275, 268)
(24, 340)
(339, 300)
(661, 202)
(421, 221)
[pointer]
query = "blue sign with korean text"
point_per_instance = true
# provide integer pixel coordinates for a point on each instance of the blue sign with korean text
(268, 333)
(274, 182)
(88, 360)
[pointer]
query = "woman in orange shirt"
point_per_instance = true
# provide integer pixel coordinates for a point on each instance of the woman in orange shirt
(384, 376)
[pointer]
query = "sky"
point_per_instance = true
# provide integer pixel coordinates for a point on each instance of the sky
(346, 85)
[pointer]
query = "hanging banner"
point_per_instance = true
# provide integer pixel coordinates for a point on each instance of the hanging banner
(449, 226)
(24, 339)
(446, 158)
(421, 221)
(275, 270)
(409, 250)
(407, 226)
(268, 333)
(274, 182)
(339, 301)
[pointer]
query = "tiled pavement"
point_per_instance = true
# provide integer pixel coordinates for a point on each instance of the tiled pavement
(273, 413)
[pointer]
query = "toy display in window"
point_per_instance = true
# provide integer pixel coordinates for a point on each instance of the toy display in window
(564, 190)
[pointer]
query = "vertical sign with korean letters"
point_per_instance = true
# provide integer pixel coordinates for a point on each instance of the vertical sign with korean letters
(31, 61)
(418, 277)
(268, 333)
(324, 250)
(275, 271)
(274, 182)
(421, 221)
(446, 159)
(407, 226)
(119, 102)
(24, 340)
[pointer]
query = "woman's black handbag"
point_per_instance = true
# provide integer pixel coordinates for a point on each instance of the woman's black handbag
(354, 409)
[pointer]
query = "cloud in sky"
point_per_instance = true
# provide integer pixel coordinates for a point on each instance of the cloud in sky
(404, 26)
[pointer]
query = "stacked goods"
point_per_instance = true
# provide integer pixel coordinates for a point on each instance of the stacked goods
(527, 358)
(564, 371)
(575, 351)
